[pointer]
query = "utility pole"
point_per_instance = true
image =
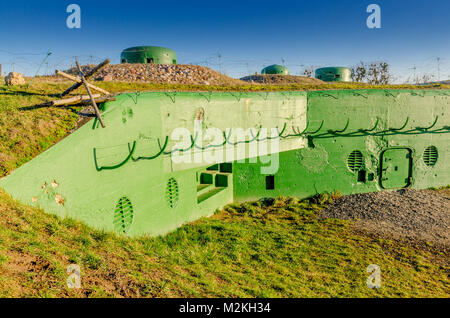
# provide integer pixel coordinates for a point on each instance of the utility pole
(414, 76)
(438, 68)
(219, 56)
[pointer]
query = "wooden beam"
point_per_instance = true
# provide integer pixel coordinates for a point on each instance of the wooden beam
(68, 101)
(78, 80)
(97, 112)
(99, 100)
(88, 75)
(74, 101)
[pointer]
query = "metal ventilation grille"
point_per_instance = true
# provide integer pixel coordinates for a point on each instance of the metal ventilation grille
(172, 193)
(430, 156)
(123, 215)
(355, 161)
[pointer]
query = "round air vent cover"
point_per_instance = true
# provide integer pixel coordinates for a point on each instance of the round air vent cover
(172, 193)
(123, 215)
(355, 161)
(430, 156)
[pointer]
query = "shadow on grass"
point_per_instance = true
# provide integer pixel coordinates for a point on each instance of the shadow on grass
(26, 93)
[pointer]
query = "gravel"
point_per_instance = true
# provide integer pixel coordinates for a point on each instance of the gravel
(160, 73)
(419, 216)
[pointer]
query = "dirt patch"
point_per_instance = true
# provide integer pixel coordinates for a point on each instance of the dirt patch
(20, 263)
(417, 216)
(281, 79)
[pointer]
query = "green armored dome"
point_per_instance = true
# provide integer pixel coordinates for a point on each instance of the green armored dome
(334, 74)
(148, 54)
(275, 69)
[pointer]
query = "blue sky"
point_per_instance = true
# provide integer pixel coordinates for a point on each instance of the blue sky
(247, 35)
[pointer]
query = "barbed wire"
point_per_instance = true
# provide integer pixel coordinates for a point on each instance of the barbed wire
(238, 67)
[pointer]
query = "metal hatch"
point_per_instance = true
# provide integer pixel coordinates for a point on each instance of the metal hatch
(396, 164)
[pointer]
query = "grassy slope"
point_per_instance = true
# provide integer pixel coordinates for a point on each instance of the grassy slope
(278, 250)
(24, 134)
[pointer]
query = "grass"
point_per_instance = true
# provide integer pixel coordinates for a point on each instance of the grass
(272, 248)
(24, 134)
(116, 87)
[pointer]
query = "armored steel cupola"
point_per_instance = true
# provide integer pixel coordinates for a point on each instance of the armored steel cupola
(334, 74)
(276, 70)
(148, 55)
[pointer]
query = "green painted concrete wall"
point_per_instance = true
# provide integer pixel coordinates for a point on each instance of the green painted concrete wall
(119, 179)
(323, 166)
(123, 178)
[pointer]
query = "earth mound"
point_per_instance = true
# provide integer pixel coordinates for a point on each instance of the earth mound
(160, 74)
